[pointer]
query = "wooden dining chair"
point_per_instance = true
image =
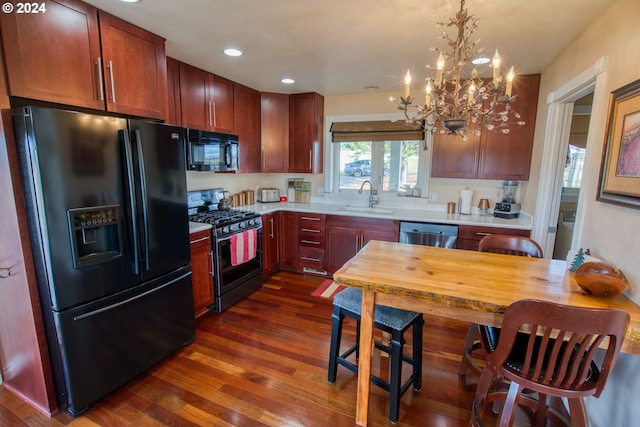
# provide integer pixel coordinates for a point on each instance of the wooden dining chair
(557, 361)
(483, 336)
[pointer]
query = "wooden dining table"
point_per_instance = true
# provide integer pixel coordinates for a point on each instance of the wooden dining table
(458, 284)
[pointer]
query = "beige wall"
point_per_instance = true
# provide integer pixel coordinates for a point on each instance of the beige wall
(610, 231)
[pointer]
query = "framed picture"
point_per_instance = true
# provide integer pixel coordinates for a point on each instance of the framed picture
(620, 169)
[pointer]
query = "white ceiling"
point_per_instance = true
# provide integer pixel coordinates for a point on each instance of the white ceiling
(345, 46)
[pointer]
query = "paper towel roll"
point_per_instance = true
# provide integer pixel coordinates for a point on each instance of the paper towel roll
(465, 201)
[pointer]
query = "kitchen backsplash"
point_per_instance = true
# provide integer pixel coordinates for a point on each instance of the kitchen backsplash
(447, 189)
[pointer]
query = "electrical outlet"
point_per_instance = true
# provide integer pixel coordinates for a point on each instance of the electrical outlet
(486, 196)
(433, 197)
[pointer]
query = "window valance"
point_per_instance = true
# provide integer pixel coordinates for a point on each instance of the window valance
(380, 130)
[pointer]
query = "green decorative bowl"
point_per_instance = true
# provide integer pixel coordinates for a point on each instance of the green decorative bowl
(600, 279)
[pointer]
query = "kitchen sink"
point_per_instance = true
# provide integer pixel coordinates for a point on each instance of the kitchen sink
(363, 209)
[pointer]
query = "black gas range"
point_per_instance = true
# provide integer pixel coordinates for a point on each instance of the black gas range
(226, 223)
(233, 281)
(203, 207)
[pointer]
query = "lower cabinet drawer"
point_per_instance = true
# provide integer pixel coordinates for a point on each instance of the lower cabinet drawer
(311, 258)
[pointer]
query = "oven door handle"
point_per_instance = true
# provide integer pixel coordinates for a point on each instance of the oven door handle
(222, 239)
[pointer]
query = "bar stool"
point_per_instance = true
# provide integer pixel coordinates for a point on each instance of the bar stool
(395, 322)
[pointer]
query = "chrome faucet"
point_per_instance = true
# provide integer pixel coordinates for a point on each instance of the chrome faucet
(372, 201)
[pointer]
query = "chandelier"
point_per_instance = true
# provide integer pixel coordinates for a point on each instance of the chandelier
(457, 105)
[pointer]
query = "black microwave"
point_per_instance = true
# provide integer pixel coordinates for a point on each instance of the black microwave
(212, 151)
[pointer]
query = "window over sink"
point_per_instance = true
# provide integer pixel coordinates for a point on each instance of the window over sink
(393, 161)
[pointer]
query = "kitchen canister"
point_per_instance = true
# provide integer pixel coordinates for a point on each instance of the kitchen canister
(464, 205)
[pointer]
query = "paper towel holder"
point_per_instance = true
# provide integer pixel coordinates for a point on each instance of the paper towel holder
(464, 203)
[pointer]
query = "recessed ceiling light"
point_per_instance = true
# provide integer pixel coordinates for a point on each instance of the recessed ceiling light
(288, 81)
(131, 1)
(480, 60)
(232, 52)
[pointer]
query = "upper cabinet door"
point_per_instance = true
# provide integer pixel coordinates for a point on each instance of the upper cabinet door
(194, 97)
(306, 132)
(454, 157)
(135, 69)
(174, 110)
(509, 156)
(55, 56)
(246, 124)
(275, 132)
(221, 94)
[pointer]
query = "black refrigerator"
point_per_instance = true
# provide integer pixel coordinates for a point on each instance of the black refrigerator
(106, 204)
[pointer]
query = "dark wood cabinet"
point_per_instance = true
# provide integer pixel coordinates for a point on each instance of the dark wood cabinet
(270, 238)
(246, 124)
(207, 100)
(288, 241)
(202, 271)
(469, 236)
(311, 243)
(492, 155)
(275, 132)
(55, 56)
(306, 132)
(174, 110)
(76, 55)
(346, 235)
(135, 69)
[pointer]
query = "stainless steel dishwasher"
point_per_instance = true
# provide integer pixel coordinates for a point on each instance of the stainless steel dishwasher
(429, 234)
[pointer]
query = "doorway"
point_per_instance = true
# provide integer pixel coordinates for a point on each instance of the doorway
(576, 149)
(590, 82)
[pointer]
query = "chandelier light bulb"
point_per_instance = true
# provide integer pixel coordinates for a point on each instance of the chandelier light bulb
(496, 68)
(439, 69)
(510, 76)
(407, 85)
(428, 89)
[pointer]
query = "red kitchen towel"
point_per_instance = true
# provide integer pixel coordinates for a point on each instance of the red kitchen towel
(243, 246)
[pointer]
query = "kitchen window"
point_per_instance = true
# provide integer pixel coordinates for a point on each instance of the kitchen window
(387, 153)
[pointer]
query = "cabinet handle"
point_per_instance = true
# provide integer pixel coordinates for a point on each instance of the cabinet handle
(310, 259)
(199, 240)
(100, 80)
(474, 170)
(310, 242)
(483, 234)
(113, 86)
(481, 163)
(310, 159)
(215, 122)
(211, 256)
(357, 242)
(209, 121)
(310, 218)
(271, 233)
(309, 230)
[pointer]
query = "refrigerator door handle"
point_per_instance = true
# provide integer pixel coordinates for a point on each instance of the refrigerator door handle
(143, 196)
(128, 300)
(132, 199)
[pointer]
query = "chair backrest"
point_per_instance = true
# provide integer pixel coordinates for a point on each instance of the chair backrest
(561, 346)
(510, 245)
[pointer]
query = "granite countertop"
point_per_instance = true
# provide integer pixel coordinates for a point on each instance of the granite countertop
(525, 221)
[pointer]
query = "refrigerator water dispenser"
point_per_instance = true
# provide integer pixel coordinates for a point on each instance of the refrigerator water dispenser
(95, 235)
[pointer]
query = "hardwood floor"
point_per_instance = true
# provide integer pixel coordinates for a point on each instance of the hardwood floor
(263, 362)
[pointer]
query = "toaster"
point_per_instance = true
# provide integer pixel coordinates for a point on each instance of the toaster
(268, 195)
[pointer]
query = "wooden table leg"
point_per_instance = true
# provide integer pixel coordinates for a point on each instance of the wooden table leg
(364, 364)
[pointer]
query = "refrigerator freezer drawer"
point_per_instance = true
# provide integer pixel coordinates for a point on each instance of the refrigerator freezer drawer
(107, 343)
